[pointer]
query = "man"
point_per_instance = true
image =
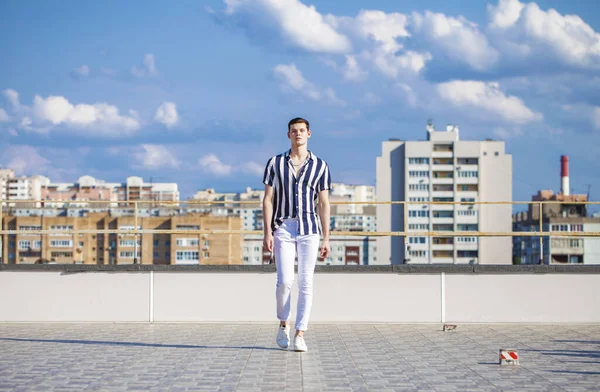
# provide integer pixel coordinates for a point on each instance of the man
(297, 184)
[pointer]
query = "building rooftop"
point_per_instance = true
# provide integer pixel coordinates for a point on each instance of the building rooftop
(348, 357)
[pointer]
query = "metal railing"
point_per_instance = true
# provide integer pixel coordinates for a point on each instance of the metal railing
(137, 204)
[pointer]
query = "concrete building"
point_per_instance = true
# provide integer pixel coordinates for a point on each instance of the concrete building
(444, 169)
(87, 188)
(147, 248)
(563, 213)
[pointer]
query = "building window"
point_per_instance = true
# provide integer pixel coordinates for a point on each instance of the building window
(29, 228)
(464, 227)
(576, 227)
(188, 241)
(128, 254)
(187, 227)
(61, 244)
(417, 240)
(418, 173)
(418, 161)
(187, 255)
(418, 253)
(468, 174)
(418, 226)
(128, 243)
(418, 199)
(418, 213)
(466, 253)
(418, 187)
(24, 244)
(155, 242)
(205, 255)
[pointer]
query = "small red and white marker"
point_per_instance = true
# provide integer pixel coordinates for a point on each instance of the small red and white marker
(509, 356)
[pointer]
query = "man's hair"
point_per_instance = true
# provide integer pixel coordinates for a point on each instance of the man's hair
(298, 120)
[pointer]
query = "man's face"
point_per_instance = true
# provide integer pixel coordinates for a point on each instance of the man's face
(298, 134)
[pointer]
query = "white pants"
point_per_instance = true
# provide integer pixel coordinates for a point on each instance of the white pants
(285, 245)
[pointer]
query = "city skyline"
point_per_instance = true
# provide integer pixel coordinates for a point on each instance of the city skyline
(199, 94)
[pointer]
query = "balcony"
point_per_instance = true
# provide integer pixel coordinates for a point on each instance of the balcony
(442, 220)
(443, 260)
(442, 247)
(442, 154)
(467, 180)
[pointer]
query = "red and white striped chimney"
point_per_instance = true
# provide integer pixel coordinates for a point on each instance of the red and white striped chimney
(564, 174)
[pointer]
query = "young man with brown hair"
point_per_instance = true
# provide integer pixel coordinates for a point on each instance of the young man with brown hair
(296, 198)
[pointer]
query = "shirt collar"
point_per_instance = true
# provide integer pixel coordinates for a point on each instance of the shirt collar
(311, 156)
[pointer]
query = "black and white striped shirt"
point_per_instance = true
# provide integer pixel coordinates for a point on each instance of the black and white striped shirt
(296, 197)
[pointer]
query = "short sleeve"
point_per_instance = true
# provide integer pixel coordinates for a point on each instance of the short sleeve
(269, 175)
(324, 183)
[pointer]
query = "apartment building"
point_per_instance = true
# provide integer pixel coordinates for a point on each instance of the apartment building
(19, 188)
(345, 250)
(100, 248)
(443, 168)
(569, 215)
(87, 188)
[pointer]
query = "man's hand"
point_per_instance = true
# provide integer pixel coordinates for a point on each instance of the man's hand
(268, 242)
(324, 250)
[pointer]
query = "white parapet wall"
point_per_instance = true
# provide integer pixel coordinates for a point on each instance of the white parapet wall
(345, 297)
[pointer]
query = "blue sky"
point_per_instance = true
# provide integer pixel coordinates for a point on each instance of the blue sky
(199, 93)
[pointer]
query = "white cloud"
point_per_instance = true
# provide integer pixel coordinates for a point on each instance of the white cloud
(475, 95)
(374, 27)
(252, 168)
(527, 31)
(505, 14)
(98, 118)
(299, 25)
(459, 39)
(25, 160)
(149, 68)
(4, 117)
(13, 98)
(352, 71)
(167, 114)
(395, 66)
(153, 156)
(82, 71)
(13, 132)
(291, 79)
(212, 164)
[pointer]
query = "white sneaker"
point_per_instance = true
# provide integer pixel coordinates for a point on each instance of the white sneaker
(283, 336)
(300, 344)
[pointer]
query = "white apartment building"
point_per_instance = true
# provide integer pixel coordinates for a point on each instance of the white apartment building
(21, 188)
(444, 169)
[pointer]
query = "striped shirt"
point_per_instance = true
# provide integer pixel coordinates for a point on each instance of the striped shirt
(296, 197)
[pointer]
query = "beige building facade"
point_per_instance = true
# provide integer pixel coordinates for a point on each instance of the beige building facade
(100, 248)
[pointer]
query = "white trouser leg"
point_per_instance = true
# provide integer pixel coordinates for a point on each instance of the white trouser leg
(308, 250)
(284, 248)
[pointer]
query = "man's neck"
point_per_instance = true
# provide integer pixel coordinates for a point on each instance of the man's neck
(299, 152)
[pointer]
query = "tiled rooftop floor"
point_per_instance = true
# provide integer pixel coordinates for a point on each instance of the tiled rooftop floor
(182, 357)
